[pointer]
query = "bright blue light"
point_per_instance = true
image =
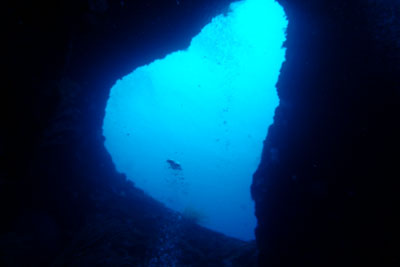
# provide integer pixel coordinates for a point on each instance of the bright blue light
(207, 108)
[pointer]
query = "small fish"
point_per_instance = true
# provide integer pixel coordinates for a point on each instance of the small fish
(174, 165)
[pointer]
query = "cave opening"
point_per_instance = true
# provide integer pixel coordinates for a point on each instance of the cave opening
(188, 129)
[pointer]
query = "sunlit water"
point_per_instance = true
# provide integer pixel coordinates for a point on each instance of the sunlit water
(188, 129)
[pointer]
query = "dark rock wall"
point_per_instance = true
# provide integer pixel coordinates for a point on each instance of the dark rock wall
(326, 190)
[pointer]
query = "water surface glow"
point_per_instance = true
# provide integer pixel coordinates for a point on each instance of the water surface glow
(206, 109)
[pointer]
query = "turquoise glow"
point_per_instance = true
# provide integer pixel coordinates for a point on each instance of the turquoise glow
(208, 109)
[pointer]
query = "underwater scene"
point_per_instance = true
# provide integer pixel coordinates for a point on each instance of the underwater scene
(192, 133)
(188, 129)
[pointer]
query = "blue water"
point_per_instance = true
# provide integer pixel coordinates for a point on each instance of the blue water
(188, 129)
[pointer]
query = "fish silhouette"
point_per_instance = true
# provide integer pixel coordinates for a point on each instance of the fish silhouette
(174, 165)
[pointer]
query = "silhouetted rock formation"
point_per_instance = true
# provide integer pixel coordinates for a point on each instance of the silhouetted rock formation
(327, 189)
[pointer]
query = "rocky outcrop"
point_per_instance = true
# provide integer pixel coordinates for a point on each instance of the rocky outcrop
(326, 189)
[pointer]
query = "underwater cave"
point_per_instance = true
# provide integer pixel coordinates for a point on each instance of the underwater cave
(188, 129)
(158, 133)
